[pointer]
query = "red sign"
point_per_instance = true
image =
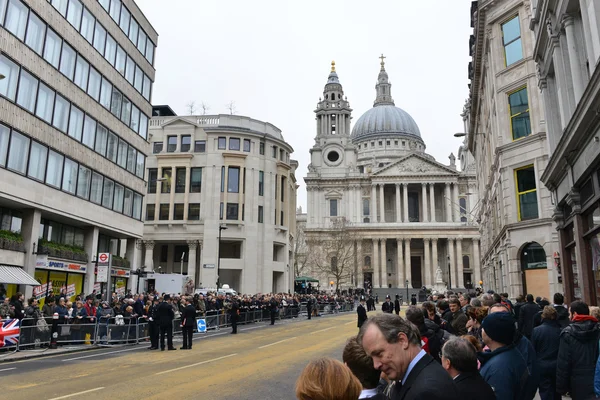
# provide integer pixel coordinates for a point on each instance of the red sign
(103, 257)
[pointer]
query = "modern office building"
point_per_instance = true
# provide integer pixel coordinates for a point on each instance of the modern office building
(75, 90)
(221, 202)
(405, 218)
(506, 125)
(566, 49)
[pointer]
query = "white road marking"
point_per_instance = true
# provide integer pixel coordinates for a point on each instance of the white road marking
(254, 327)
(322, 330)
(77, 394)
(272, 344)
(7, 369)
(351, 322)
(194, 365)
(102, 354)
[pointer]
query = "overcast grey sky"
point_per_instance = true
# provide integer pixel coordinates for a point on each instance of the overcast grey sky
(272, 58)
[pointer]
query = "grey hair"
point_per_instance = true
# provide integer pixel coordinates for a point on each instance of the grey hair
(487, 300)
(461, 353)
(475, 302)
(390, 326)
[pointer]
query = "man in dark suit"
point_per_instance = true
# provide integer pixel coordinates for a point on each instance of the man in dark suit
(234, 314)
(459, 358)
(188, 322)
(526, 315)
(362, 312)
(273, 308)
(165, 315)
(387, 306)
(153, 326)
(394, 344)
(397, 304)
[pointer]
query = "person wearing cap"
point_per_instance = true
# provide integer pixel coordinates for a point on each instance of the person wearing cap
(361, 312)
(503, 366)
(153, 328)
(165, 316)
(387, 306)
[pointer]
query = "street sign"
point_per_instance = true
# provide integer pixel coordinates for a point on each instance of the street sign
(201, 325)
(103, 258)
(102, 275)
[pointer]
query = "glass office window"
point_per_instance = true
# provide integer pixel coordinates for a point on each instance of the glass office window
(82, 70)
(52, 48)
(150, 210)
(157, 147)
(94, 82)
(67, 61)
(87, 26)
(120, 60)
(186, 143)
(61, 113)
(178, 210)
(111, 49)
(129, 70)
(526, 193)
(18, 152)
(150, 52)
(89, 132)
(511, 39)
(222, 143)
(105, 4)
(55, 168)
(4, 136)
(107, 193)
(106, 93)
(61, 6)
(36, 33)
(138, 79)
(126, 111)
(180, 180)
(519, 114)
(2, 10)
(141, 44)
(128, 202)
(195, 180)
(118, 203)
(232, 211)
(261, 217)
(69, 182)
(194, 212)
(8, 85)
(99, 38)
(143, 132)
(147, 87)
(163, 213)
(83, 182)
(74, 13)
(116, 103)
(200, 146)
(234, 143)
(333, 208)
(76, 123)
(115, 9)
(16, 18)
(122, 158)
(171, 144)
(131, 159)
(37, 161)
(28, 87)
(233, 180)
(135, 118)
(152, 179)
(247, 145)
(137, 206)
(140, 163)
(45, 103)
(124, 21)
(111, 148)
(101, 138)
(96, 188)
(165, 186)
(261, 183)
(133, 31)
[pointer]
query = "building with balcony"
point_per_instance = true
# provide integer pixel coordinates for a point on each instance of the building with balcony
(505, 121)
(223, 176)
(566, 48)
(407, 216)
(75, 85)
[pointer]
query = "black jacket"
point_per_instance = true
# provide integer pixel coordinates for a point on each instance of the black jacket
(434, 340)
(387, 307)
(545, 340)
(397, 307)
(563, 315)
(526, 316)
(427, 380)
(165, 314)
(234, 310)
(362, 315)
(188, 316)
(471, 386)
(577, 356)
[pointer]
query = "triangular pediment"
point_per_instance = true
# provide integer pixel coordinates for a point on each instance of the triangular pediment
(179, 122)
(415, 165)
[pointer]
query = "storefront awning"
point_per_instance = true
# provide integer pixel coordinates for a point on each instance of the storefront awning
(16, 276)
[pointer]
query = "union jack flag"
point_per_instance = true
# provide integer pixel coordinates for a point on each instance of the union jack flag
(9, 332)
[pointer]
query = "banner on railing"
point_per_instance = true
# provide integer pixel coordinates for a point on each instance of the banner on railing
(40, 292)
(9, 332)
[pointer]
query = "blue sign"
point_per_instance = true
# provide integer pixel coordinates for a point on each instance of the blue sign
(201, 325)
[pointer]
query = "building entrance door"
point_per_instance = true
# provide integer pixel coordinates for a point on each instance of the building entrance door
(368, 280)
(415, 270)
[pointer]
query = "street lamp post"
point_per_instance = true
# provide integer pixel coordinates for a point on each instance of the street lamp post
(221, 228)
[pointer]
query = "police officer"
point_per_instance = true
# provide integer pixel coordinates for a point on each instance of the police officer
(165, 315)
(387, 306)
(234, 313)
(361, 312)
(153, 324)
(273, 307)
(188, 322)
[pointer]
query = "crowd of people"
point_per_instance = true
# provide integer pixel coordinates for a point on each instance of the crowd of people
(465, 346)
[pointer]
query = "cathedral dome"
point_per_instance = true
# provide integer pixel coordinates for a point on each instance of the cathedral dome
(385, 120)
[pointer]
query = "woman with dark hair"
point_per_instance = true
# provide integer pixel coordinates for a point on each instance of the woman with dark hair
(545, 340)
(476, 316)
(327, 379)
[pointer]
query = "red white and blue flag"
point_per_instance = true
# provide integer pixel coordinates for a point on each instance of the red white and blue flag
(9, 332)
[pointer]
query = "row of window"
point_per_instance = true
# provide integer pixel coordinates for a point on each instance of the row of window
(21, 154)
(30, 29)
(234, 144)
(387, 143)
(85, 23)
(132, 29)
(180, 180)
(35, 96)
(178, 212)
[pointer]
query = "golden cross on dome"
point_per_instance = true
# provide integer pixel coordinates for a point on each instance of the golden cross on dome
(333, 66)
(382, 60)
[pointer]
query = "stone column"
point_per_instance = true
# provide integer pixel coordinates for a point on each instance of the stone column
(405, 200)
(576, 75)
(384, 269)
(456, 205)
(30, 231)
(398, 211)
(407, 264)
(425, 215)
(381, 203)
(375, 263)
(360, 281)
(447, 196)
(90, 244)
(427, 251)
(149, 257)
(434, 257)
(453, 279)
(476, 263)
(432, 201)
(400, 261)
(459, 263)
(373, 203)
(191, 266)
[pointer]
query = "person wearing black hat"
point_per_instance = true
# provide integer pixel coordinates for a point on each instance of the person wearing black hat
(387, 306)
(361, 312)
(165, 315)
(503, 366)
(153, 328)
(397, 304)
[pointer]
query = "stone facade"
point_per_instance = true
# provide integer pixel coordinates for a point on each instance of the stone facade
(406, 213)
(567, 50)
(505, 123)
(221, 175)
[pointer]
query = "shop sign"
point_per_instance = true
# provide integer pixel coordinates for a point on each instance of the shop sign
(39, 292)
(46, 263)
(120, 272)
